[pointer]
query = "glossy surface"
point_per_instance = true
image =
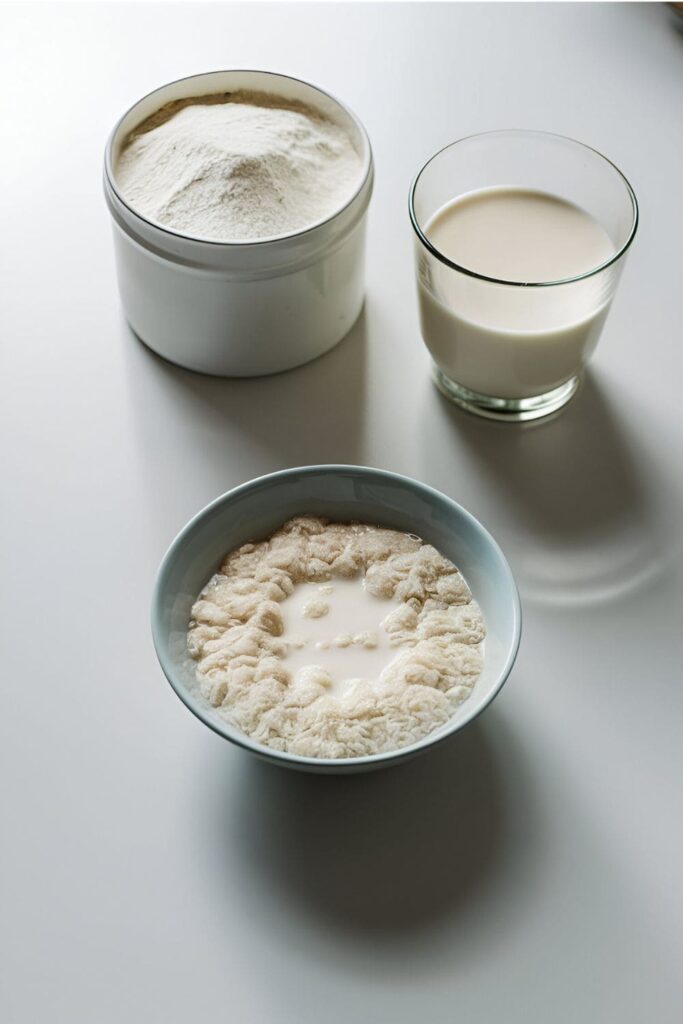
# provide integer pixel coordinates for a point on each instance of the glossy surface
(150, 870)
(343, 494)
(519, 235)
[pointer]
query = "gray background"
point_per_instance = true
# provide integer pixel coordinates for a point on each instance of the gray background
(530, 871)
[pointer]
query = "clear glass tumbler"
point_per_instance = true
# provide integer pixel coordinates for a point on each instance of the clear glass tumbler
(505, 349)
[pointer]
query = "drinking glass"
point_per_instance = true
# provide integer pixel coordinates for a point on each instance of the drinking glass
(505, 349)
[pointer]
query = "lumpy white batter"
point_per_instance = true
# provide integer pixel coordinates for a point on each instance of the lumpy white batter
(336, 640)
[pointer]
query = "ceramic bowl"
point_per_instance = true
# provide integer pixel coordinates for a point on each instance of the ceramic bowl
(344, 493)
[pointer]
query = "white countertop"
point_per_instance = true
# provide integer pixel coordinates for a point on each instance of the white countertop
(531, 870)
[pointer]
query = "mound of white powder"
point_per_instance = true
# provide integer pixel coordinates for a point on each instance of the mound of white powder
(237, 167)
(236, 636)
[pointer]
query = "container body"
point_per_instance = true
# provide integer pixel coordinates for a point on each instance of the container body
(219, 324)
(506, 349)
(247, 308)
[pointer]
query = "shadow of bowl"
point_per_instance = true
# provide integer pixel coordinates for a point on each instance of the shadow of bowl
(383, 854)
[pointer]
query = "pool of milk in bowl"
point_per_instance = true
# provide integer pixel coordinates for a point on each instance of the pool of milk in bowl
(348, 641)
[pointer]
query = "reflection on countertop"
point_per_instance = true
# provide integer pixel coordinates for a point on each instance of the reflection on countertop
(580, 506)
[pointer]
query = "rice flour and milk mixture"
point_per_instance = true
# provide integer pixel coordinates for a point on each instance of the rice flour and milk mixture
(238, 166)
(336, 640)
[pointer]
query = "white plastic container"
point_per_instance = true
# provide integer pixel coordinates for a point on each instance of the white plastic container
(241, 309)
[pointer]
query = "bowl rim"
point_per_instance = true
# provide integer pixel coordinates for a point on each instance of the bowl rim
(283, 757)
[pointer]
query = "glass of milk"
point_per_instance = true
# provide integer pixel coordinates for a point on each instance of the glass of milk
(520, 242)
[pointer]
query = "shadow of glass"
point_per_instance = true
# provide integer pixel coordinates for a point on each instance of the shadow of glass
(382, 854)
(577, 505)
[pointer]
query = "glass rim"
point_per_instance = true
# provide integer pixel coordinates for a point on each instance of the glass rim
(522, 284)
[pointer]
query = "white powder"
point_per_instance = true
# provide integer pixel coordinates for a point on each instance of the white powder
(238, 167)
(432, 633)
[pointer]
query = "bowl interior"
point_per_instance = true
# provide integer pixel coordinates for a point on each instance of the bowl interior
(256, 509)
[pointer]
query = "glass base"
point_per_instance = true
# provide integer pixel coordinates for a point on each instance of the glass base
(512, 410)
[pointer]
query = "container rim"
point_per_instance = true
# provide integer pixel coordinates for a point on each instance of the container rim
(264, 482)
(366, 173)
(522, 284)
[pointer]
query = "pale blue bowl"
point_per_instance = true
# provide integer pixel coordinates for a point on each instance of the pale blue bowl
(345, 493)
